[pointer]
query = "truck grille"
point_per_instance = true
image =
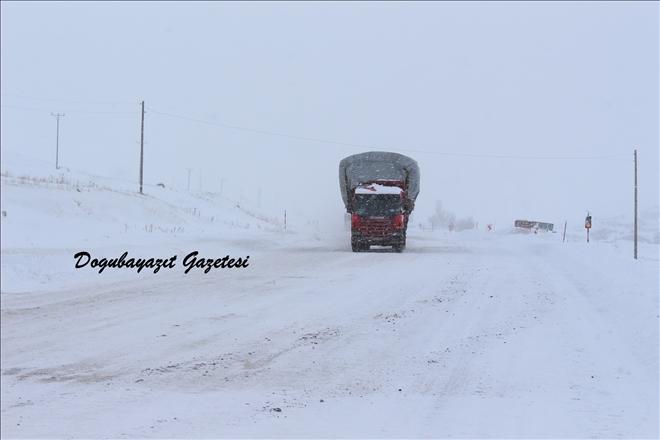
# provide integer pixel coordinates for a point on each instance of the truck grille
(376, 228)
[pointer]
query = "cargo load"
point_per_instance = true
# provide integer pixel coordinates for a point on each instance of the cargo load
(379, 190)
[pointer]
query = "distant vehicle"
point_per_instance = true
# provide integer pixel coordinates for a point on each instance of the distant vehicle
(533, 225)
(379, 190)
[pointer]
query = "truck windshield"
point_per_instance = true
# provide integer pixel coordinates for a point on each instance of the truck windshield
(379, 205)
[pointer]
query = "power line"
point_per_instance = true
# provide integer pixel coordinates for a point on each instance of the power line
(259, 131)
(75, 102)
(639, 164)
(611, 157)
(348, 144)
(68, 111)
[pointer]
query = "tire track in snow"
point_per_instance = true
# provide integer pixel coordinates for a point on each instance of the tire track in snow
(453, 327)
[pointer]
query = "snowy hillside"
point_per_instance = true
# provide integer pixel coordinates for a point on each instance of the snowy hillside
(470, 334)
(48, 212)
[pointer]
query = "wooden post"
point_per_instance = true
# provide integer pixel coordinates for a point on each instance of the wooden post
(141, 146)
(565, 223)
(635, 227)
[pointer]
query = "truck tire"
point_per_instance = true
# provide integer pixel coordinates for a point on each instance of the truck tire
(399, 247)
(359, 247)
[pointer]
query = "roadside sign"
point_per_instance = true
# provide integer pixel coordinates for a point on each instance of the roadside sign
(587, 224)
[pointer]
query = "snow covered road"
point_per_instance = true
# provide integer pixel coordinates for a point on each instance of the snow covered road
(468, 335)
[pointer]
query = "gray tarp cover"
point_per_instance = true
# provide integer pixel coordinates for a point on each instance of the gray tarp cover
(378, 165)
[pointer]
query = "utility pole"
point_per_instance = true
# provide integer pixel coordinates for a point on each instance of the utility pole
(189, 169)
(57, 140)
(635, 205)
(141, 146)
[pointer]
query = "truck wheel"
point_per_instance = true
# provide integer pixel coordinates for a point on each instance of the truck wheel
(398, 248)
(359, 247)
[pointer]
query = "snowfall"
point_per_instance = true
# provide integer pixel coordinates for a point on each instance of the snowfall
(471, 334)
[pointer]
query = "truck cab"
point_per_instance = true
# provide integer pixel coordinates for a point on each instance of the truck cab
(379, 215)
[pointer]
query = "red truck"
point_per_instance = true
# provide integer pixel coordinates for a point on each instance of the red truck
(379, 190)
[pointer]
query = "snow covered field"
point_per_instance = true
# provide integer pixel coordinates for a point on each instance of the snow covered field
(471, 334)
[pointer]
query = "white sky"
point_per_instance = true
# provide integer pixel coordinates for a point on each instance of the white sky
(536, 79)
